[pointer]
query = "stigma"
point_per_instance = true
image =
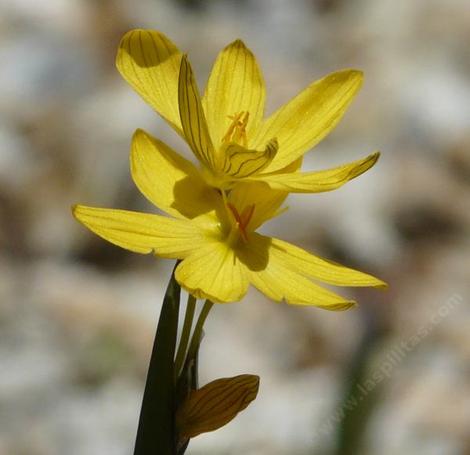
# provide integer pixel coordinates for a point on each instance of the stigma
(242, 220)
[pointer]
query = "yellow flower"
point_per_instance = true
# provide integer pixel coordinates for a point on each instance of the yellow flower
(225, 128)
(215, 236)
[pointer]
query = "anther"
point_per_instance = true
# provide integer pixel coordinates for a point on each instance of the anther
(236, 132)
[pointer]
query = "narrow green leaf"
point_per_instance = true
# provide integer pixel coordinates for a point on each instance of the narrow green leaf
(156, 432)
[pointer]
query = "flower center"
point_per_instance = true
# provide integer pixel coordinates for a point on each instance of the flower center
(237, 130)
(234, 160)
(242, 220)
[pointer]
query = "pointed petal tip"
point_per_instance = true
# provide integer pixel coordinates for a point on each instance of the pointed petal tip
(133, 31)
(340, 306)
(136, 143)
(359, 76)
(358, 73)
(373, 158)
(123, 47)
(125, 37)
(139, 133)
(237, 43)
(366, 163)
(76, 208)
(369, 281)
(351, 72)
(381, 285)
(351, 75)
(355, 73)
(148, 61)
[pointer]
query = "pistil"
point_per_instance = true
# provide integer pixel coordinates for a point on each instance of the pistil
(242, 220)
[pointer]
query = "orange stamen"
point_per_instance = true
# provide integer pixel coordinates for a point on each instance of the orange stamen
(242, 220)
(247, 214)
(236, 132)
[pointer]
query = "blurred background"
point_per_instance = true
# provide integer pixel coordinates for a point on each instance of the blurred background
(77, 315)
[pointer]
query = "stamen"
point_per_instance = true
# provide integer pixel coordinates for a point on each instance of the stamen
(235, 213)
(247, 214)
(237, 130)
(242, 220)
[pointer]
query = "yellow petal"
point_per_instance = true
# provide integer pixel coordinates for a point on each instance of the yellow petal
(292, 167)
(309, 117)
(169, 181)
(318, 181)
(268, 272)
(241, 162)
(141, 232)
(216, 404)
(150, 63)
(213, 272)
(267, 202)
(235, 85)
(322, 269)
(192, 116)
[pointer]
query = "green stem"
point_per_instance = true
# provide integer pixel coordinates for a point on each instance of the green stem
(188, 377)
(185, 334)
(196, 339)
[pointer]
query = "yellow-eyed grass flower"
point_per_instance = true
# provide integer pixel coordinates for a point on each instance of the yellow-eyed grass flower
(248, 165)
(213, 233)
(226, 128)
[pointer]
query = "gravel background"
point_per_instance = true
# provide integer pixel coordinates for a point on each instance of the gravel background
(77, 315)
